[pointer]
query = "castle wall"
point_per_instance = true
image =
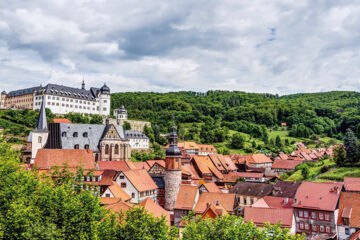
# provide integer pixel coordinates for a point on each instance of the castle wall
(172, 186)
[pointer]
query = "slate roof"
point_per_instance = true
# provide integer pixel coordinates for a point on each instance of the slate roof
(252, 189)
(41, 125)
(285, 189)
(159, 181)
(23, 91)
(135, 134)
(65, 91)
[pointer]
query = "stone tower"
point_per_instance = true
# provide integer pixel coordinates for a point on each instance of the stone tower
(40, 134)
(173, 171)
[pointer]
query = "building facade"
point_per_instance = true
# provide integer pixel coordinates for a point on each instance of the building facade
(137, 140)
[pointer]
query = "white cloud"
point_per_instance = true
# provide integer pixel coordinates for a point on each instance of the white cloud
(259, 46)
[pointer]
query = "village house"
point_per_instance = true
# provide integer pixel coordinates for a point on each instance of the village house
(316, 208)
(281, 166)
(223, 164)
(115, 205)
(157, 211)
(352, 184)
(115, 191)
(209, 187)
(206, 150)
(232, 177)
(206, 168)
(285, 189)
(138, 184)
(157, 167)
(259, 160)
(349, 215)
(185, 202)
(226, 200)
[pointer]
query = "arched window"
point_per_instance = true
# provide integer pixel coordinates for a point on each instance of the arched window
(76, 146)
(85, 134)
(96, 157)
(107, 149)
(63, 134)
(86, 146)
(116, 149)
(75, 134)
(39, 139)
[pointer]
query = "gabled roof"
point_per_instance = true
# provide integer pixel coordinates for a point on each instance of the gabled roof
(189, 170)
(152, 162)
(231, 177)
(142, 165)
(61, 120)
(226, 163)
(252, 189)
(211, 187)
(118, 192)
(72, 158)
(285, 189)
(283, 156)
(130, 164)
(274, 202)
(113, 165)
(216, 161)
(206, 166)
(206, 148)
(140, 179)
(186, 197)
(352, 184)
(227, 200)
(134, 134)
(213, 211)
(285, 164)
(259, 158)
(349, 207)
(271, 215)
(155, 209)
(115, 205)
(318, 195)
(107, 177)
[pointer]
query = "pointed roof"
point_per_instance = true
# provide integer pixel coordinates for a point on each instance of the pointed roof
(173, 149)
(155, 209)
(41, 125)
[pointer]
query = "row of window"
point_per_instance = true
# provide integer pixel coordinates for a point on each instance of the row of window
(314, 227)
(314, 215)
(66, 99)
(147, 193)
(107, 149)
(75, 134)
(77, 146)
(91, 179)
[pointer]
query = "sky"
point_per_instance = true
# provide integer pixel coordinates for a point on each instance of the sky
(277, 46)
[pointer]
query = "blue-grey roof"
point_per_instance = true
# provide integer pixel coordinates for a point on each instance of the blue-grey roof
(41, 125)
(95, 134)
(59, 90)
(29, 139)
(135, 134)
(23, 91)
(159, 181)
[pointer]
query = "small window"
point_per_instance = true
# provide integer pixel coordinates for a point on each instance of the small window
(75, 134)
(122, 177)
(322, 229)
(306, 214)
(76, 146)
(106, 149)
(86, 146)
(123, 185)
(306, 226)
(327, 217)
(85, 134)
(314, 228)
(347, 231)
(107, 195)
(301, 225)
(63, 134)
(133, 195)
(313, 215)
(321, 216)
(328, 229)
(39, 139)
(301, 213)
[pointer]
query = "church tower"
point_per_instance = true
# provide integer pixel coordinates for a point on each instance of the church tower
(173, 171)
(40, 134)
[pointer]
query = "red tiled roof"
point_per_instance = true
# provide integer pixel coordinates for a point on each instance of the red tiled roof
(130, 165)
(259, 158)
(107, 177)
(349, 207)
(233, 176)
(285, 164)
(188, 169)
(226, 163)
(140, 179)
(113, 206)
(152, 162)
(216, 161)
(321, 196)
(142, 165)
(72, 158)
(211, 187)
(186, 197)
(227, 200)
(206, 148)
(206, 166)
(283, 156)
(355, 236)
(118, 192)
(271, 215)
(278, 202)
(113, 165)
(155, 209)
(61, 120)
(352, 184)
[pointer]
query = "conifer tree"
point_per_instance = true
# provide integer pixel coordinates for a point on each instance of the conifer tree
(351, 146)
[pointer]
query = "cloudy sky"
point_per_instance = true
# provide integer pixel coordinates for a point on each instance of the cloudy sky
(277, 46)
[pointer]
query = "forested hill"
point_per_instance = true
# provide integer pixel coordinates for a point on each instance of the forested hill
(327, 113)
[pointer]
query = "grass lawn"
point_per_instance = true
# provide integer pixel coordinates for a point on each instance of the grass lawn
(313, 171)
(339, 174)
(284, 135)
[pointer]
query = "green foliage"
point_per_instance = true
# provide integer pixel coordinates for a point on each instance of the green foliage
(238, 140)
(141, 157)
(351, 146)
(305, 172)
(126, 125)
(340, 156)
(96, 119)
(230, 227)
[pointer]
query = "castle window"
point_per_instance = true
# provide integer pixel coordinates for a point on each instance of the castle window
(39, 139)
(75, 134)
(86, 146)
(106, 149)
(116, 149)
(63, 134)
(85, 134)
(76, 146)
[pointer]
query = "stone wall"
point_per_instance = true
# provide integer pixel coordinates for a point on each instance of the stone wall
(135, 124)
(172, 186)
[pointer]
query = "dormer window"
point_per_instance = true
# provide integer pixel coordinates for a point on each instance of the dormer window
(76, 146)
(63, 134)
(75, 134)
(85, 134)
(86, 146)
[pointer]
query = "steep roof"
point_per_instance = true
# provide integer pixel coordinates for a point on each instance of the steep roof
(189, 170)
(206, 166)
(285, 189)
(285, 164)
(117, 206)
(277, 202)
(352, 184)
(213, 211)
(152, 162)
(140, 179)
(23, 91)
(321, 196)
(107, 177)
(211, 187)
(41, 125)
(134, 134)
(349, 206)
(259, 158)
(271, 215)
(226, 163)
(61, 120)
(252, 189)
(227, 200)
(206, 148)
(231, 177)
(72, 158)
(113, 165)
(155, 209)
(186, 197)
(142, 165)
(118, 192)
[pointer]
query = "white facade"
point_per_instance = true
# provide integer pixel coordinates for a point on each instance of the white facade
(345, 232)
(104, 104)
(38, 142)
(139, 143)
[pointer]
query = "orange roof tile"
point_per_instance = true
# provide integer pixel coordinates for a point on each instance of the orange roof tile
(278, 202)
(206, 166)
(231, 177)
(271, 215)
(118, 192)
(212, 211)
(118, 206)
(318, 195)
(216, 161)
(130, 164)
(152, 162)
(188, 169)
(259, 158)
(61, 120)
(72, 158)
(285, 164)
(352, 184)
(107, 177)
(349, 206)
(140, 179)
(155, 209)
(113, 165)
(211, 187)
(227, 200)
(355, 236)
(142, 165)
(186, 197)
(206, 148)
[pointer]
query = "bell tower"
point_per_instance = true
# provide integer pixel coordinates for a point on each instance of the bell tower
(173, 171)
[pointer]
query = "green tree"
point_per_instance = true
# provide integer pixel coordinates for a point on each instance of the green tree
(126, 125)
(305, 172)
(96, 119)
(340, 156)
(238, 140)
(278, 141)
(351, 146)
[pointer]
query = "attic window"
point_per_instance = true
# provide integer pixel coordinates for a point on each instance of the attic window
(75, 134)
(85, 134)
(76, 146)
(63, 134)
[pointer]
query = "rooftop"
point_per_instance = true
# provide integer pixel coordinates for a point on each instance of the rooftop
(155, 209)
(271, 215)
(252, 189)
(140, 179)
(227, 200)
(186, 197)
(349, 207)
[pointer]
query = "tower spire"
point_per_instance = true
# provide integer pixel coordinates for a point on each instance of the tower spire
(41, 125)
(83, 84)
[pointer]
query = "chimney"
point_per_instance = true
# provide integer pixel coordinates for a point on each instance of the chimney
(107, 121)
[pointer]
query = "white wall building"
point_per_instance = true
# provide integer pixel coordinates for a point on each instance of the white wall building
(137, 140)
(62, 100)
